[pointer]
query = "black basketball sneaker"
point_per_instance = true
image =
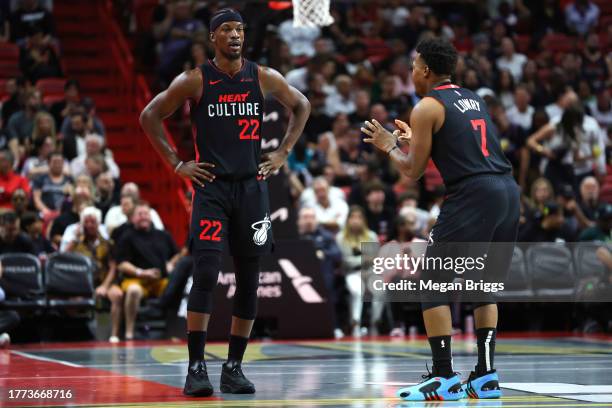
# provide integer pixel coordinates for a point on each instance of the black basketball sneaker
(197, 383)
(233, 380)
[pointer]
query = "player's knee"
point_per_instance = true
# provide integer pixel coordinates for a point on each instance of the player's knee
(247, 283)
(205, 276)
(426, 305)
(485, 303)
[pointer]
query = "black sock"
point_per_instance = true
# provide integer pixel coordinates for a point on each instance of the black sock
(196, 340)
(486, 349)
(237, 346)
(442, 356)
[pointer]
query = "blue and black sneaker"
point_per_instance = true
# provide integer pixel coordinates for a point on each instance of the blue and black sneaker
(484, 387)
(434, 388)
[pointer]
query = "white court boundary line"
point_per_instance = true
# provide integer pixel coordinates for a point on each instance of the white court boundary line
(46, 359)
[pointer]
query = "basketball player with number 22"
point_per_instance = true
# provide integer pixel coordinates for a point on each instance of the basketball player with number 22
(231, 195)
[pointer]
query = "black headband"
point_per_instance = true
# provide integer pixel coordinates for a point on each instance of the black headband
(223, 16)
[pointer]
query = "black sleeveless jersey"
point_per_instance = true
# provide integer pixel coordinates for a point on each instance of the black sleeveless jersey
(227, 121)
(467, 143)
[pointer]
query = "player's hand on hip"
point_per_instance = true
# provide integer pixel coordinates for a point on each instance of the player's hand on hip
(403, 133)
(378, 135)
(199, 173)
(271, 163)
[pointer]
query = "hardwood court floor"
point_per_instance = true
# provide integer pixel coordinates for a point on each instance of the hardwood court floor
(536, 370)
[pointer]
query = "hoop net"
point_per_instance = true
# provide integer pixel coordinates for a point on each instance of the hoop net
(311, 13)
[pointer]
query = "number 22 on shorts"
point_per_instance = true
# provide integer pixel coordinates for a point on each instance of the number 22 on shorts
(210, 230)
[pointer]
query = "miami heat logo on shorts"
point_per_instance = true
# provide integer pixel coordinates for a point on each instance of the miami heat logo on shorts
(261, 230)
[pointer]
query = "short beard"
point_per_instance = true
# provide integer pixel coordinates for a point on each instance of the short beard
(231, 56)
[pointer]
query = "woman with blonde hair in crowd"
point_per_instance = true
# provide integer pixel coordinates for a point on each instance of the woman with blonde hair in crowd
(349, 239)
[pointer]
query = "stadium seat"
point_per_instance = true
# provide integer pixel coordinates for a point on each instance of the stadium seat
(551, 268)
(587, 263)
(51, 86)
(69, 281)
(9, 69)
(557, 43)
(9, 52)
(22, 281)
(517, 285)
(51, 99)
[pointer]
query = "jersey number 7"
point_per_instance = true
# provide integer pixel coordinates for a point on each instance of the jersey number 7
(482, 125)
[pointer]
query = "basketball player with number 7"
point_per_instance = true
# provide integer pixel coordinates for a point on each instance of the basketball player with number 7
(452, 126)
(231, 195)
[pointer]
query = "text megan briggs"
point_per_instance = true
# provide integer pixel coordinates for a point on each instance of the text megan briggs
(467, 285)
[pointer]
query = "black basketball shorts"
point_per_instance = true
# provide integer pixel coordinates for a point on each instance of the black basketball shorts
(233, 213)
(480, 210)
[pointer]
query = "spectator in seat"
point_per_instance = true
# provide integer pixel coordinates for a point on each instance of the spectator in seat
(38, 59)
(299, 39)
(44, 126)
(601, 109)
(21, 123)
(51, 189)
(589, 197)
(81, 197)
(379, 217)
(390, 99)
(94, 145)
(309, 199)
(362, 108)
(38, 164)
(31, 15)
(341, 101)
(564, 97)
(522, 112)
(327, 251)
(20, 202)
(146, 256)
(117, 215)
(72, 98)
(176, 31)
(9, 180)
(512, 139)
(594, 67)
(32, 225)
(366, 174)
(581, 16)
(331, 212)
(93, 124)
(73, 141)
(511, 60)
(601, 231)
(9, 319)
(15, 89)
(89, 242)
(349, 239)
(106, 194)
(572, 146)
(11, 237)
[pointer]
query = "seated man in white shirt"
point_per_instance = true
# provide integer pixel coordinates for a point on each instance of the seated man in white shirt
(331, 212)
(521, 113)
(94, 144)
(117, 215)
(511, 60)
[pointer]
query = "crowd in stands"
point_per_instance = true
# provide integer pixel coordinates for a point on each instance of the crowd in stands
(543, 68)
(60, 188)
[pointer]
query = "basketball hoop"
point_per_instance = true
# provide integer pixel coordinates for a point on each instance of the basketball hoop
(311, 13)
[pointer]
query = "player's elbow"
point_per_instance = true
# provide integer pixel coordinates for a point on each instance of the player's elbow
(303, 105)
